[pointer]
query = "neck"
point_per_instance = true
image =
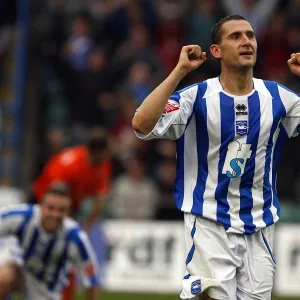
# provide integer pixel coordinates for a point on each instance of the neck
(236, 81)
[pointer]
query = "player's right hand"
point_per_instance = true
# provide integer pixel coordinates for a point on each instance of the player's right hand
(191, 57)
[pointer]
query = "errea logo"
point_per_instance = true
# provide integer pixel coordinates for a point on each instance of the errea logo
(241, 110)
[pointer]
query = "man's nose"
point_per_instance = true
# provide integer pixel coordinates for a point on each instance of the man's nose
(245, 40)
(56, 214)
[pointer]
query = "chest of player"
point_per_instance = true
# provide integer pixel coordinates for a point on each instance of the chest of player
(250, 119)
(46, 257)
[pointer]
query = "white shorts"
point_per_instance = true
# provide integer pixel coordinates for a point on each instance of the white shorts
(10, 251)
(227, 266)
(34, 289)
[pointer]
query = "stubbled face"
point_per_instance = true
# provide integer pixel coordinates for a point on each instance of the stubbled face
(238, 46)
(54, 209)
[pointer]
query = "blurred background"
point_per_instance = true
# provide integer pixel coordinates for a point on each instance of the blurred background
(70, 66)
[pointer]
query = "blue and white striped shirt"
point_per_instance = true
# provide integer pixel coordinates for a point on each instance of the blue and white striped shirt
(49, 257)
(228, 149)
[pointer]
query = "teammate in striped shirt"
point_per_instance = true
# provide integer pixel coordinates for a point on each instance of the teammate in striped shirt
(229, 132)
(41, 247)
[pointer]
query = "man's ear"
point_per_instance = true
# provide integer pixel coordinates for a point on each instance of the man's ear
(216, 51)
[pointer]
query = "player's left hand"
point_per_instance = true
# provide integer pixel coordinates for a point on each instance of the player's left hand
(294, 63)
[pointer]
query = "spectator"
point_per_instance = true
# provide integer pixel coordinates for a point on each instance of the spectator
(134, 195)
(79, 43)
(91, 82)
(125, 143)
(137, 48)
(256, 11)
(273, 54)
(292, 12)
(139, 81)
(204, 14)
(165, 177)
(85, 169)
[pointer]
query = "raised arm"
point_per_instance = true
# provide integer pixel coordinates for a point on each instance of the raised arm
(150, 111)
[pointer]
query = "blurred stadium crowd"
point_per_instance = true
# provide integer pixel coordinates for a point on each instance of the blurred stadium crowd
(100, 58)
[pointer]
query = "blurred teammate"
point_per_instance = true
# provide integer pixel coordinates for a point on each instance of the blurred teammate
(47, 243)
(85, 169)
(229, 132)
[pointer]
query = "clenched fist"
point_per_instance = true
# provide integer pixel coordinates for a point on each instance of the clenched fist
(191, 57)
(294, 63)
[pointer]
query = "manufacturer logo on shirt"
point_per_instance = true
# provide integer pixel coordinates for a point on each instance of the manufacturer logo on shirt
(236, 159)
(241, 110)
(241, 127)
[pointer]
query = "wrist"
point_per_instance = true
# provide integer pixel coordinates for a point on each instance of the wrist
(180, 72)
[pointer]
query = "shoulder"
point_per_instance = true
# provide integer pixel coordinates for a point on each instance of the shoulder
(210, 87)
(190, 92)
(71, 155)
(272, 88)
(17, 213)
(17, 209)
(70, 225)
(72, 229)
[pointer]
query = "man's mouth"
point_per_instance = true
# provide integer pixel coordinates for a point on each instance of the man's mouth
(246, 53)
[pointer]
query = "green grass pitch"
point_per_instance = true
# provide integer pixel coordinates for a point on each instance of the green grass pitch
(125, 296)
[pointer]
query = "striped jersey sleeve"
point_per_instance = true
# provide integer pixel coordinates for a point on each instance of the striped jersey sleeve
(12, 217)
(84, 259)
(291, 102)
(176, 115)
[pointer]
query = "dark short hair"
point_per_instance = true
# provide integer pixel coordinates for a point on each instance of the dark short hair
(58, 189)
(97, 140)
(216, 32)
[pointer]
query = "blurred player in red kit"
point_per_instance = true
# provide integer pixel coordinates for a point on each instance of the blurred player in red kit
(86, 170)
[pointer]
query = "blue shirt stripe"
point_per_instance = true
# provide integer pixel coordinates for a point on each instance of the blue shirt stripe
(278, 113)
(176, 96)
(82, 250)
(227, 135)
(27, 217)
(45, 258)
(282, 138)
(179, 181)
(202, 150)
(246, 199)
(62, 261)
(30, 250)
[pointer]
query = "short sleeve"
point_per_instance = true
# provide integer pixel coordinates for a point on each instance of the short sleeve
(174, 119)
(84, 259)
(291, 101)
(12, 217)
